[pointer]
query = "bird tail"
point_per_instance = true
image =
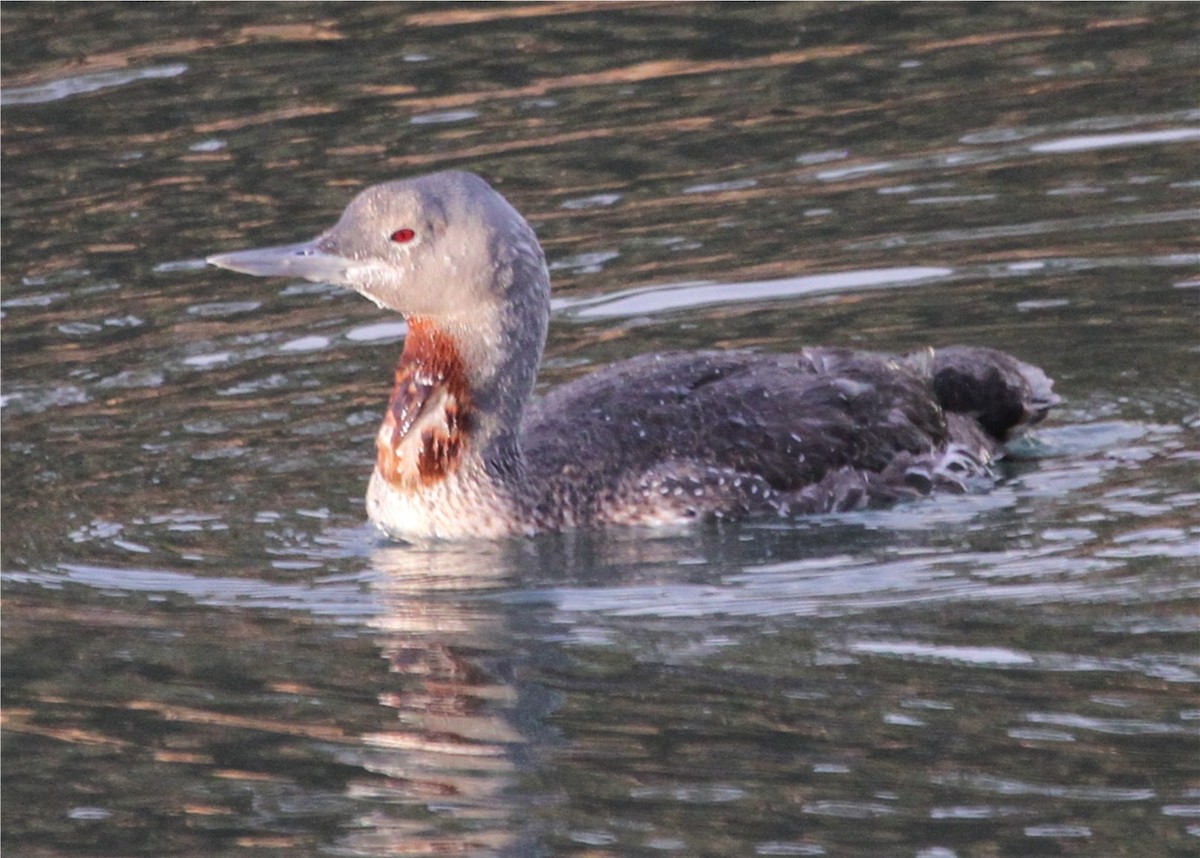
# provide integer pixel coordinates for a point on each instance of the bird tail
(1001, 394)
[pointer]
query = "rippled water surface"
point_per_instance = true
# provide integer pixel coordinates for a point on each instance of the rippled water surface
(207, 651)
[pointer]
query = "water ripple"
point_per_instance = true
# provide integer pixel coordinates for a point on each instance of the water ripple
(342, 601)
(1115, 726)
(1109, 141)
(1007, 786)
(81, 84)
(661, 299)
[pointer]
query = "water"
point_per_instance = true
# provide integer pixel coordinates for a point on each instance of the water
(206, 651)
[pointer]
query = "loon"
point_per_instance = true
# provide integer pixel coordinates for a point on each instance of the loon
(658, 439)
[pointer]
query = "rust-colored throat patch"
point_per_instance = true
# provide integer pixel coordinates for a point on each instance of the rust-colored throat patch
(427, 426)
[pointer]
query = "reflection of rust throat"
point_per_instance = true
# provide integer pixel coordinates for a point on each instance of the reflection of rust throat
(428, 419)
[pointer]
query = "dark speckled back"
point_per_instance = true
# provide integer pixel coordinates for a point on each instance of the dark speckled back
(862, 427)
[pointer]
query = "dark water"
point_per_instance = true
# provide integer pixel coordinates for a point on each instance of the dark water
(207, 652)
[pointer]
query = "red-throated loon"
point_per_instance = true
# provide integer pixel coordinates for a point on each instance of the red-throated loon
(660, 438)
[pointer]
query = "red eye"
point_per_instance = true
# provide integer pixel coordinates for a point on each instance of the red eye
(403, 236)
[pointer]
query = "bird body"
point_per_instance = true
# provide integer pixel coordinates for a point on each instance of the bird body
(661, 438)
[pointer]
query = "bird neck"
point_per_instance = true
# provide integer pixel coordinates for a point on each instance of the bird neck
(460, 391)
(430, 417)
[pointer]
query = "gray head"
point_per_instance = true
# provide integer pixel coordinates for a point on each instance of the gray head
(444, 245)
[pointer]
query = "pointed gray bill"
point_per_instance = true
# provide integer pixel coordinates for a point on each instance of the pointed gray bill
(302, 260)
